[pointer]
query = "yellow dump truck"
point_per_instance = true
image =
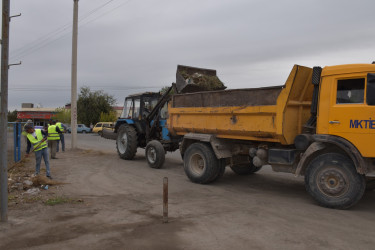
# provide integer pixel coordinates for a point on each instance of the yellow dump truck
(320, 124)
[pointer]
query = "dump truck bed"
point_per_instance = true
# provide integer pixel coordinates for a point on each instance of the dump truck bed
(275, 114)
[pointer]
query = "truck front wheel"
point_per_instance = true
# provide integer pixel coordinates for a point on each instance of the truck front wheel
(332, 180)
(127, 142)
(155, 154)
(200, 163)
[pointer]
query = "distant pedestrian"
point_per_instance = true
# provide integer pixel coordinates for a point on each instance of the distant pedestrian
(37, 138)
(63, 129)
(53, 136)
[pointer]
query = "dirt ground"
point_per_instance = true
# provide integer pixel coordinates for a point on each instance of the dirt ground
(109, 203)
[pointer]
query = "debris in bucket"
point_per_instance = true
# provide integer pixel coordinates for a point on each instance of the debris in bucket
(201, 82)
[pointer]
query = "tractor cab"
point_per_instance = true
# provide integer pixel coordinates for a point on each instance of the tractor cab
(139, 106)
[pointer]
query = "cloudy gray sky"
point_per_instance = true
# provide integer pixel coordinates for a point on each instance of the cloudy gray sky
(131, 46)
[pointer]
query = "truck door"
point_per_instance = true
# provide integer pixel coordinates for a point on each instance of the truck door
(352, 111)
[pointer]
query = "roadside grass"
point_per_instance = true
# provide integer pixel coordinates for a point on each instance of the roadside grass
(61, 200)
(11, 197)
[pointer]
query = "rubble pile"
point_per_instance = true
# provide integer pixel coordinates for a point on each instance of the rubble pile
(201, 82)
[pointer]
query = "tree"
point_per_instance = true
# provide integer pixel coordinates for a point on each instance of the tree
(91, 104)
(63, 115)
(108, 117)
(12, 116)
(165, 89)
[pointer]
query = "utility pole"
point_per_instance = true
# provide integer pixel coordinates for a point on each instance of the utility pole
(74, 77)
(4, 112)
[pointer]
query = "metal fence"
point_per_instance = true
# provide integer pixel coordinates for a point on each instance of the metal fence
(15, 146)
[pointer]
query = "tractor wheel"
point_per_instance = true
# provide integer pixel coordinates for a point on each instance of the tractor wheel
(126, 142)
(200, 163)
(332, 180)
(155, 154)
(245, 169)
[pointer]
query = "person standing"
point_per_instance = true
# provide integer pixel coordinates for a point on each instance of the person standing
(62, 128)
(37, 138)
(53, 136)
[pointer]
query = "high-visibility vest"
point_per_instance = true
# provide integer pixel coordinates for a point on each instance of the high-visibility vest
(36, 141)
(52, 133)
(60, 126)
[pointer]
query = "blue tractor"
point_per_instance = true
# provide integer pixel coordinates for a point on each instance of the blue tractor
(142, 125)
(143, 121)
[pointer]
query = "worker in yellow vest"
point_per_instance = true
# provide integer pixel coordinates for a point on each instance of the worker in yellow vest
(53, 136)
(29, 122)
(62, 128)
(37, 138)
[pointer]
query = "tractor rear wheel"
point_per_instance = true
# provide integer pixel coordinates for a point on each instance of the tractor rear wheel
(127, 142)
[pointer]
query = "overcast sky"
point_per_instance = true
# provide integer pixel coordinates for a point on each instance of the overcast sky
(132, 46)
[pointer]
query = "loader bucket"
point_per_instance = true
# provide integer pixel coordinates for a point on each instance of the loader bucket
(191, 79)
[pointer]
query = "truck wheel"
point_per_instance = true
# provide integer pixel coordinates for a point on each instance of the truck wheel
(200, 163)
(155, 154)
(220, 170)
(332, 180)
(370, 184)
(245, 169)
(126, 142)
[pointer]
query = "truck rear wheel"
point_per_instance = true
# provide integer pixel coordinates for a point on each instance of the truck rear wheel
(200, 163)
(126, 142)
(220, 170)
(155, 154)
(332, 180)
(370, 184)
(245, 169)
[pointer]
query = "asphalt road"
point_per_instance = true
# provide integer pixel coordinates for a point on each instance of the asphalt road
(276, 202)
(92, 141)
(123, 206)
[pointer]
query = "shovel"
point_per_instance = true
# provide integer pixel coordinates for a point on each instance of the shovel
(23, 158)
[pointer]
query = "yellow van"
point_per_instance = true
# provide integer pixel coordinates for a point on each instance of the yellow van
(98, 128)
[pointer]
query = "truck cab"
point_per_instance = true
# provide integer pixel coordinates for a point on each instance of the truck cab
(347, 105)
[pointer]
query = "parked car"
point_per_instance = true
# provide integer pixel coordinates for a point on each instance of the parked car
(98, 128)
(81, 128)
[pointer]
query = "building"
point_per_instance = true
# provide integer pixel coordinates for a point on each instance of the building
(118, 110)
(39, 116)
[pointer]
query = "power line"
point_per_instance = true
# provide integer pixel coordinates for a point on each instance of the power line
(57, 31)
(24, 89)
(49, 38)
(107, 12)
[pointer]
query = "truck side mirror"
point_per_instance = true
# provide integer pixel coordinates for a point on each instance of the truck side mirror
(370, 95)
